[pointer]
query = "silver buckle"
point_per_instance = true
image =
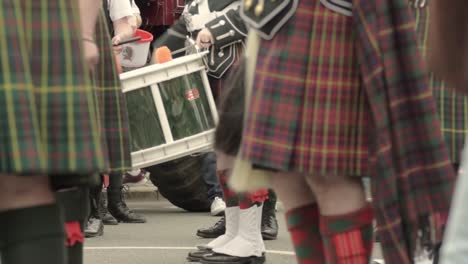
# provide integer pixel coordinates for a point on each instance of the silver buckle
(418, 3)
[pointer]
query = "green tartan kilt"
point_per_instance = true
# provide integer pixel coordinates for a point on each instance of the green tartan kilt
(48, 115)
(452, 108)
(112, 108)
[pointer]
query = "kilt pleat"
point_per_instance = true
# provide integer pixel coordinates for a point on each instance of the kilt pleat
(48, 115)
(114, 126)
(452, 108)
(310, 72)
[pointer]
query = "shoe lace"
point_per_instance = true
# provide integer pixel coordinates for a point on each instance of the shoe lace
(220, 222)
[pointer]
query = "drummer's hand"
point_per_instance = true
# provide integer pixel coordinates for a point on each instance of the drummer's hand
(115, 41)
(204, 38)
(91, 53)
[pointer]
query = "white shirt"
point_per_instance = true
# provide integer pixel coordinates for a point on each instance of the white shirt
(119, 9)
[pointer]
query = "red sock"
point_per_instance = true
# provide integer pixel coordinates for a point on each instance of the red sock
(347, 239)
(303, 226)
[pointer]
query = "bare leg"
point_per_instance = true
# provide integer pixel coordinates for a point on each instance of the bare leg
(337, 194)
(24, 191)
(293, 190)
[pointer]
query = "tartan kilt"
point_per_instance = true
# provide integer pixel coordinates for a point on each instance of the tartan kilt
(48, 115)
(114, 126)
(308, 111)
(452, 108)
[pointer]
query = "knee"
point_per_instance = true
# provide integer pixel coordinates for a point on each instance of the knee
(323, 186)
(16, 187)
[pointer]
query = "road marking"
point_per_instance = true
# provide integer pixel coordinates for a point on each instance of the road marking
(277, 252)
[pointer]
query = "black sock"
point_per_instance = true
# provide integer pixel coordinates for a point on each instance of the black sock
(115, 181)
(75, 204)
(32, 235)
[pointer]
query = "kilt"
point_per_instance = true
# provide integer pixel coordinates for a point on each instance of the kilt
(308, 111)
(114, 126)
(48, 115)
(452, 108)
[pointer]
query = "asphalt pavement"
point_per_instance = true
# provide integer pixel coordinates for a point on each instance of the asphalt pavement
(167, 237)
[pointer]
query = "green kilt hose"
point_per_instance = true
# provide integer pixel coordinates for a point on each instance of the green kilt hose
(348, 95)
(453, 108)
(112, 108)
(48, 114)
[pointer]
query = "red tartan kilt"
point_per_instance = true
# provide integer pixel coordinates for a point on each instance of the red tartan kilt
(308, 111)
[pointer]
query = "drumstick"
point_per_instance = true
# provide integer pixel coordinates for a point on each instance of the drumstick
(163, 54)
(130, 40)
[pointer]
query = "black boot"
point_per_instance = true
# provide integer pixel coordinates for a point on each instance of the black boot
(269, 222)
(214, 231)
(119, 209)
(94, 227)
(107, 218)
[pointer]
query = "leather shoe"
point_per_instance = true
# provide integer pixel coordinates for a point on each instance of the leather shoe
(196, 256)
(219, 228)
(269, 227)
(119, 209)
(215, 258)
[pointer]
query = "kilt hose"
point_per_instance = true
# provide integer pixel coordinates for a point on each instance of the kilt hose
(48, 107)
(452, 108)
(114, 126)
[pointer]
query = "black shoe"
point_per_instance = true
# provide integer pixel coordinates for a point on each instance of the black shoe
(119, 209)
(107, 218)
(269, 227)
(218, 229)
(94, 227)
(269, 222)
(216, 258)
(196, 256)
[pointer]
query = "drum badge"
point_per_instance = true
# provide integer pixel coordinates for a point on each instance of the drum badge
(127, 53)
(192, 94)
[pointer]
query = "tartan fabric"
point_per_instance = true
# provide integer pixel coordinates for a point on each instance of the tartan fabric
(412, 175)
(452, 108)
(310, 110)
(48, 109)
(115, 133)
(347, 239)
(303, 226)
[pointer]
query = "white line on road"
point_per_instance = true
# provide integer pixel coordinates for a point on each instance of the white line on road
(278, 252)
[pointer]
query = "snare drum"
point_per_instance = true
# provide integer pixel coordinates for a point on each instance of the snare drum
(171, 110)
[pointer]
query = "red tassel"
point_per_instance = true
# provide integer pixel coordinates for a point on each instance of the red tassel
(74, 233)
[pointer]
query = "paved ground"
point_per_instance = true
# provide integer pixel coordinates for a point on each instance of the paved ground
(166, 238)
